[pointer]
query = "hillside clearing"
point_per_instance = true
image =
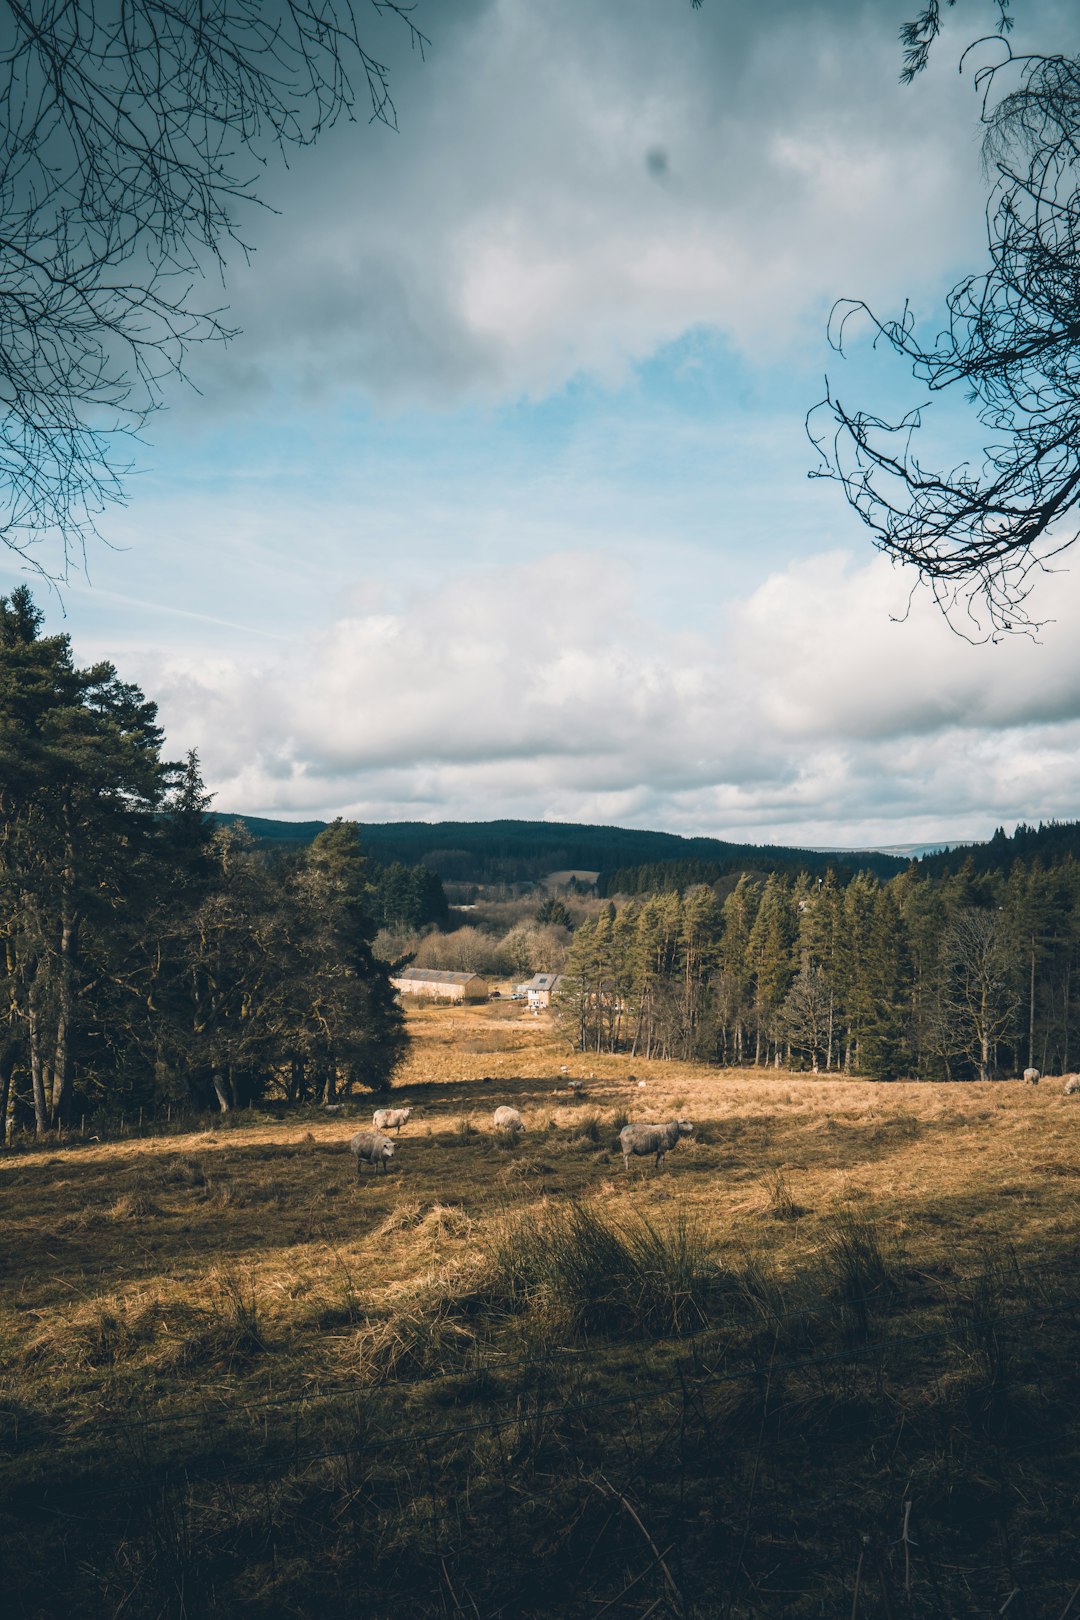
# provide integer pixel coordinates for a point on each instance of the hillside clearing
(222, 1355)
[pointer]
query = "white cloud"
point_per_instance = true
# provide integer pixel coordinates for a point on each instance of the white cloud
(546, 690)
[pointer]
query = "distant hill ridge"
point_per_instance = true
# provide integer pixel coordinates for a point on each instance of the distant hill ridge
(513, 851)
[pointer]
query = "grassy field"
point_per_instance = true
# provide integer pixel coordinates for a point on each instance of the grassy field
(823, 1364)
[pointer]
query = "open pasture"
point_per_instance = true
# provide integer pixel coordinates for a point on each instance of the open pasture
(509, 1377)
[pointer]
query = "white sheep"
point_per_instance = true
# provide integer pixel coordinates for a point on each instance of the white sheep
(1072, 1085)
(508, 1119)
(1031, 1077)
(390, 1119)
(371, 1148)
(641, 1139)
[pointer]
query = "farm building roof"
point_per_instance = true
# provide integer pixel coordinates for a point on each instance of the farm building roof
(437, 975)
(543, 981)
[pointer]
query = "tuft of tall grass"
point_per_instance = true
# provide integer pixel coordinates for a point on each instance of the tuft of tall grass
(237, 1332)
(587, 1129)
(605, 1275)
(780, 1199)
(979, 1327)
(132, 1206)
(858, 1276)
(426, 1336)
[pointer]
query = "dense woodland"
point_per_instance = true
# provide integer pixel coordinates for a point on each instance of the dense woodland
(151, 958)
(971, 974)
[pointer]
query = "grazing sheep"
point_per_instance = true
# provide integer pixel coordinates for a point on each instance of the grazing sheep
(575, 1085)
(371, 1148)
(390, 1119)
(641, 1139)
(1031, 1077)
(508, 1119)
(1072, 1085)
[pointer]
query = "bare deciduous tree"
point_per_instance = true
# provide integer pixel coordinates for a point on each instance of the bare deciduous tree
(978, 534)
(131, 137)
(978, 999)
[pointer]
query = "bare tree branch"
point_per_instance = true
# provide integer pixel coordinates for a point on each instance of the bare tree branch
(132, 137)
(977, 534)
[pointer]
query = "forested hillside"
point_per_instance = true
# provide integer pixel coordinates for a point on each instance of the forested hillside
(150, 958)
(1050, 842)
(526, 851)
(967, 975)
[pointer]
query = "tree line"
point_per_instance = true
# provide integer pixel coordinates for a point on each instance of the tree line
(968, 975)
(150, 957)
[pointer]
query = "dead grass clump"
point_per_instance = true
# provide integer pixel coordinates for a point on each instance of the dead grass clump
(425, 1336)
(858, 1277)
(181, 1172)
(220, 1193)
(977, 1314)
(97, 1336)
(130, 1206)
(401, 1218)
(88, 1219)
(223, 1326)
(768, 1301)
(437, 1220)
(445, 1221)
(608, 1275)
(780, 1200)
(524, 1168)
(587, 1130)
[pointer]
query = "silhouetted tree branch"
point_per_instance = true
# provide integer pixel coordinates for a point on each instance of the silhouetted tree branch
(976, 533)
(132, 134)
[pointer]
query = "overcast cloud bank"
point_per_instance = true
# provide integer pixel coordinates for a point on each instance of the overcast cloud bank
(545, 692)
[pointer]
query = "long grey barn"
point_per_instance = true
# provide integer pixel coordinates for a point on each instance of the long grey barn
(441, 984)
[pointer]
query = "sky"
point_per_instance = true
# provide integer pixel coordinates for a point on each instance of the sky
(499, 506)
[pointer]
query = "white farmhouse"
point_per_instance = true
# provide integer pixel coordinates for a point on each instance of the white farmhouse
(541, 989)
(440, 984)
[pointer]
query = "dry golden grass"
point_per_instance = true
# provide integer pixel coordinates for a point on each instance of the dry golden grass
(186, 1279)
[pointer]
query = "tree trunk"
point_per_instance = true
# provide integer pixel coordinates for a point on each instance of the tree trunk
(1031, 1010)
(1065, 1017)
(8, 1060)
(222, 1094)
(37, 1076)
(69, 928)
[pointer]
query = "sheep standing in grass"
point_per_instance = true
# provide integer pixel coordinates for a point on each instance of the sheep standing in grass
(642, 1139)
(1031, 1077)
(508, 1119)
(371, 1148)
(390, 1119)
(1072, 1085)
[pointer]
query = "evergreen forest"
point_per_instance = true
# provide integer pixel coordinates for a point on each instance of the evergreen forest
(154, 959)
(966, 974)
